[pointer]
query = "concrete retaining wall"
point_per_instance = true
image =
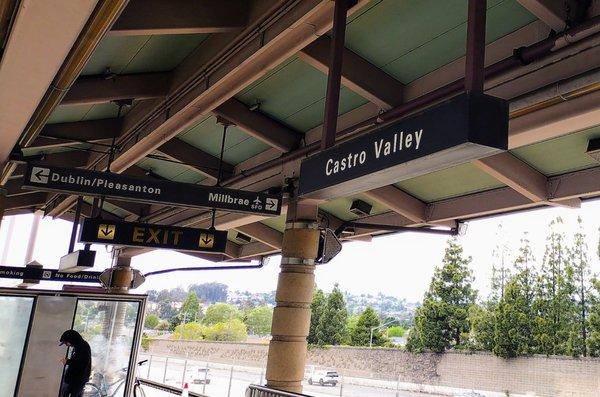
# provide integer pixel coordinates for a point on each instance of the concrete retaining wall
(535, 376)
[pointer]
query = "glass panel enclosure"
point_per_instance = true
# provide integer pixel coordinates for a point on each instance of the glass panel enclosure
(15, 313)
(109, 328)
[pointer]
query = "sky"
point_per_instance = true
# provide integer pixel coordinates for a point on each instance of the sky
(400, 265)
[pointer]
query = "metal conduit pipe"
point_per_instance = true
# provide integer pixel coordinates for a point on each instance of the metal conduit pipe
(520, 57)
(553, 93)
(104, 16)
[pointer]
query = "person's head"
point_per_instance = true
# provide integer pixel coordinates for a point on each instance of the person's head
(70, 338)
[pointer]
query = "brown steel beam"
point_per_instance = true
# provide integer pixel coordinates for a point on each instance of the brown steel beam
(256, 249)
(475, 57)
(160, 17)
(88, 211)
(358, 74)
(400, 202)
(584, 183)
(231, 252)
(100, 89)
(41, 143)
(554, 13)
(516, 174)
(259, 125)
(263, 234)
(478, 204)
(334, 75)
(194, 158)
(25, 200)
(87, 131)
(133, 208)
(71, 159)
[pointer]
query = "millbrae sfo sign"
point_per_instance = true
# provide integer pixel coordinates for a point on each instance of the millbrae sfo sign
(467, 127)
(94, 183)
(133, 234)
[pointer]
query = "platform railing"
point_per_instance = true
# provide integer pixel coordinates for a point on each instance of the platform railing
(167, 388)
(262, 391)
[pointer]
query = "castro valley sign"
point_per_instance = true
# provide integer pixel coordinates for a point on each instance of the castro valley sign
(462, 129)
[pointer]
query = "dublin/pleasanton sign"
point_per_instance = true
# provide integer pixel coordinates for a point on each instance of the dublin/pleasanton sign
(132, 234)
(94, 183)
(462, 129)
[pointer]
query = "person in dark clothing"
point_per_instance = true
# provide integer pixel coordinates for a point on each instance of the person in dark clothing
(78, 366)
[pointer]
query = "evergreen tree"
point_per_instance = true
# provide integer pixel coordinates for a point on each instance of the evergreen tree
(500, 270)
(482, 322)
(518, 306)
(553, 305)
(316, 310)
(593, 339)
(443, 319)
(513, 325)
(190, 309)
(581, 271)
(361, 335)
(332, 324)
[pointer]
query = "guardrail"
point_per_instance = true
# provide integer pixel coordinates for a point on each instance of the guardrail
(166, 388)
(262, 391)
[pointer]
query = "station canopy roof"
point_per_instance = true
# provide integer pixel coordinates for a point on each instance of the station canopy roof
(161, 79)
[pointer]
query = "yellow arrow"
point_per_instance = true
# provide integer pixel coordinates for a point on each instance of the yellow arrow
(206, 240)
(106, 232)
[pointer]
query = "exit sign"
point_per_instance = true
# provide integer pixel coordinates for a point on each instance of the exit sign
(133, 234)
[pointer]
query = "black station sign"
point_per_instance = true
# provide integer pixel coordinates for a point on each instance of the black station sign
(134, 234)
(94, 183)
(462, 129)
(31, 273)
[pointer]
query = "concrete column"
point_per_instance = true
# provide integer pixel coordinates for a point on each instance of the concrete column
(291, 317)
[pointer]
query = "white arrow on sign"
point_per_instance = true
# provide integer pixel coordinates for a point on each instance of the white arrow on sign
(39, 175)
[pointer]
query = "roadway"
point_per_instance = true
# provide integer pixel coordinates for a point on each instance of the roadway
(241, 377)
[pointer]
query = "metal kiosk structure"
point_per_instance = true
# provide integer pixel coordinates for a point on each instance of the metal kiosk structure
(32, 322)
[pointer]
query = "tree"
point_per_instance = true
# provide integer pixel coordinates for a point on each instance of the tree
(500, 270)
(188, 331)
(220, 313)
(593, 340)
(152, 295)
(210, 292)
(163, 325)
(233, 330)
(190, 309)
(396, 331)
(581, 271)
(443, 319)
(165, 308)
(151, 321)
(332, 324)
(316, 310)
(362, 332)
(259, 320)
(482, 322)
(514, 315)
(513, 324)
(555, 311)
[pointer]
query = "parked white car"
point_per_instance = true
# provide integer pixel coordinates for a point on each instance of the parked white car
(323, 378)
